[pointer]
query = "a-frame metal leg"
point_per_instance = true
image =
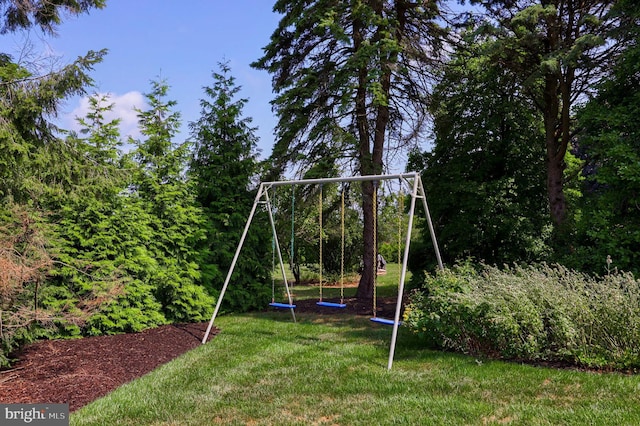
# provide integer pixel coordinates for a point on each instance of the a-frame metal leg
(417, 191)
(233, 262)
(275, 238)
(423, 195)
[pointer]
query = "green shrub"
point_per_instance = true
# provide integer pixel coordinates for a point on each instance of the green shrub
(134, 310)
(390, 251)
(530, 313)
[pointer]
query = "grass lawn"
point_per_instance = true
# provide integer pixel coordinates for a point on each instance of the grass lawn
(262, 369)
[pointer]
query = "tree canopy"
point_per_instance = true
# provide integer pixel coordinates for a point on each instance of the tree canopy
(347, 75)
(609, 144)
(43, 14)
(557, 49)
(485, 173)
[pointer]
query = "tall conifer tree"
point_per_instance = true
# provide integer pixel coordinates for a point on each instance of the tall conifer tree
(350, 79)
(223, 167)
(161, 185)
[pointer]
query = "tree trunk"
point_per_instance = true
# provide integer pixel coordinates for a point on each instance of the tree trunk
(371, 160)
(557, 123)
(555, 191)
(365, 287)
(367, 279)
(557, 116)
(555, 156)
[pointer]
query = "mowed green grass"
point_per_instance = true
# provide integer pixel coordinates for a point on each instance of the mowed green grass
(262, 369)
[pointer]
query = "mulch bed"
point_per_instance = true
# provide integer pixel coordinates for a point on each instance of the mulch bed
(81, 370)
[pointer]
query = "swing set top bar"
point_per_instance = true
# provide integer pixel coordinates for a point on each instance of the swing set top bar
(411, 175)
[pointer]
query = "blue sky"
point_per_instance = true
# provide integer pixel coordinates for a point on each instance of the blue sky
(180, 41)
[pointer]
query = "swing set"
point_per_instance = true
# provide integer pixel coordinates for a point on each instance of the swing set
(411, 181)
(320, 302)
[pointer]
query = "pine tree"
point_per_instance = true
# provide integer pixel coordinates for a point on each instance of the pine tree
(350, 83)
(176, 224)
(31, 152)
(223, 168)
(45, 15)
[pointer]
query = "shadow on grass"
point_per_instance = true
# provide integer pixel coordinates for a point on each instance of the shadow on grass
(409, 347)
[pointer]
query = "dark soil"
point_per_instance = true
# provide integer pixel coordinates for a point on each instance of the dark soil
(81, 370)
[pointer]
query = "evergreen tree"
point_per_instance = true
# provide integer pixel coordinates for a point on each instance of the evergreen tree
(31, 152)
(25, 260)
(485, 173)
(223, 168)
(102, 137)
(347, 75)
(176, 221)
(610, 140)
(43, 14)
(28, 138)
(102, 235)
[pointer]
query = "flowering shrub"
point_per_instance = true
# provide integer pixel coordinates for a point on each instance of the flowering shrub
(530, 313)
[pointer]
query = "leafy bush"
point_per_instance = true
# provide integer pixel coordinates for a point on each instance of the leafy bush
(32, 303)
(531, 313)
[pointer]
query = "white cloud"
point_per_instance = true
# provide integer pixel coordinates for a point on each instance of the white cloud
(123, 108)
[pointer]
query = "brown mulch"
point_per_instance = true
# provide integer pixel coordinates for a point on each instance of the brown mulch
(81, 370)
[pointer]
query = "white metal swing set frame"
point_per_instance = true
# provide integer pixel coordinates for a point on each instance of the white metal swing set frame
(411, 181)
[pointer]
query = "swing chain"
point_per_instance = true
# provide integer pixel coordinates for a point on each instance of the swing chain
(342, 250)
(320, 239)
(375, 247)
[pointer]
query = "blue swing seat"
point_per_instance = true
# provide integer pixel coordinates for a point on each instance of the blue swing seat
(385, 321)
(282, 305)
(332, 305)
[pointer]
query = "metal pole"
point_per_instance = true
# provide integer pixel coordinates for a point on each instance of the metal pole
(233, 262)
(411, 175)
(431, 231)
(403, 274)
(275, 238)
